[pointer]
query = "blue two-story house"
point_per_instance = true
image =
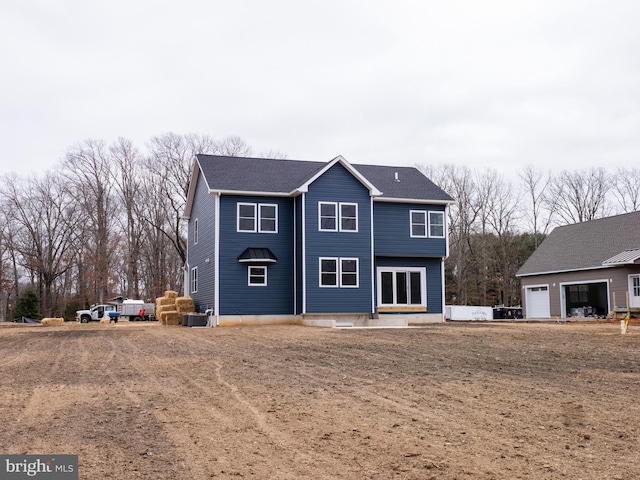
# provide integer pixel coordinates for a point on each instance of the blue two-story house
(287, 241)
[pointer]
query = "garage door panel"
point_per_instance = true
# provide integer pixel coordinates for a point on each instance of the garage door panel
(538, 302)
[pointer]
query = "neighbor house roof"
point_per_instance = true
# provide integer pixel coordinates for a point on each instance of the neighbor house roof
(269, 176)
(584, 246)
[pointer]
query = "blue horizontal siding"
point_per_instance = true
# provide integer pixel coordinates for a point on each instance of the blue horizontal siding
(392, 231)
(338, 185)
(236, 296)
(434, 277)
(203, 210)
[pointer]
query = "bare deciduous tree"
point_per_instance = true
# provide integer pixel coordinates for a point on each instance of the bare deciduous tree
(580, 196)
(45, 217)
(626, 189)
(88, 170)
(536, 210)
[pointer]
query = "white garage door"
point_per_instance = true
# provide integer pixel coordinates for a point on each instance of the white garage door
(537, 302)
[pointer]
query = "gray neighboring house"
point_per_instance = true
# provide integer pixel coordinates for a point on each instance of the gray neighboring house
(579, 269)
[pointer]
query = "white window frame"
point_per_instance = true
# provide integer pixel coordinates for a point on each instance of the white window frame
(441, 214)
(339, 272)
(336, 217)
(356, 273)
(394, 270)
(253, 275)
(194, 280)
(195, 231)
(255, 217)
(426, 223)
(260, 229)
(345, 204)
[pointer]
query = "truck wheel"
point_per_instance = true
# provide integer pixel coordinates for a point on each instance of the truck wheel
(84, 319)
(137, 319)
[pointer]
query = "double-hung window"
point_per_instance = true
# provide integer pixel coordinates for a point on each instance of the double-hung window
(268, 218)
(247, 217)
(348, 217)
(334, 216)
(328, 216)
(427, 224)
(339, 272)
(257, 217)
(418, 223)
(436, 224)
(194, 279)
(257, 276)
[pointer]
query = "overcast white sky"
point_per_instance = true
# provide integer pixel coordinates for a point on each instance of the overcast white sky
(490, 83)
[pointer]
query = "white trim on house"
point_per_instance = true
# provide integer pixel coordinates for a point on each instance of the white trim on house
(394, 271)
(275, 206)
(255, 275)
(565, 271)
(373, 261)
(216, 257)
(414, 201)
(340, 216)
(563, 298)
(195, 232)
(373, 191)
(239, 205)
(527, 306)
(335, 216)
(304, 251)
(634, 290)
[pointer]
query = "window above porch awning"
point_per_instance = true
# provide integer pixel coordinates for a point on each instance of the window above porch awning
(624, 258)
(257, 255)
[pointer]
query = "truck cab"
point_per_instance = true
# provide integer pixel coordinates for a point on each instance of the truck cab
(96, 313)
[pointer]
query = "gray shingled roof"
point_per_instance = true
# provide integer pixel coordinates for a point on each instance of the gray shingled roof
(584, 245)
(242, 174)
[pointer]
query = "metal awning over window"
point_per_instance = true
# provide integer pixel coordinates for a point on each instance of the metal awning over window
(258, 256)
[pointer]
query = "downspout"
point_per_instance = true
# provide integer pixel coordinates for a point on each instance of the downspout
(216, 260)
(373, 261)
(304, 254)
(295, 260)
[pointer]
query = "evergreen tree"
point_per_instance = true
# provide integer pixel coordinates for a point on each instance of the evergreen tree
(28, 305)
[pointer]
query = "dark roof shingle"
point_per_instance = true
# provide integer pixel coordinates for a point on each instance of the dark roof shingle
(266, 175)
(584, 245)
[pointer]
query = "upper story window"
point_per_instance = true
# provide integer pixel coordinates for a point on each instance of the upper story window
(247, 217)
(328, 216)
(436, 224)
(257, 217)
(195, 231)
(348, 217)
(427, 224)
(334, 216)
(268, 218)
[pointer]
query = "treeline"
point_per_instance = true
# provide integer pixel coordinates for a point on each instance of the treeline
(496, 222)
(107, 221)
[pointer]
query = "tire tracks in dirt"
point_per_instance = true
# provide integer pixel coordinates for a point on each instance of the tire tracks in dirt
(230, 404)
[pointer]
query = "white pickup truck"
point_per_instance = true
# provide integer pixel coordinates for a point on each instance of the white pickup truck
(131, 310)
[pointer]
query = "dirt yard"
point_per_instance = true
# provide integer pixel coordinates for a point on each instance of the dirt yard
(451, 401)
